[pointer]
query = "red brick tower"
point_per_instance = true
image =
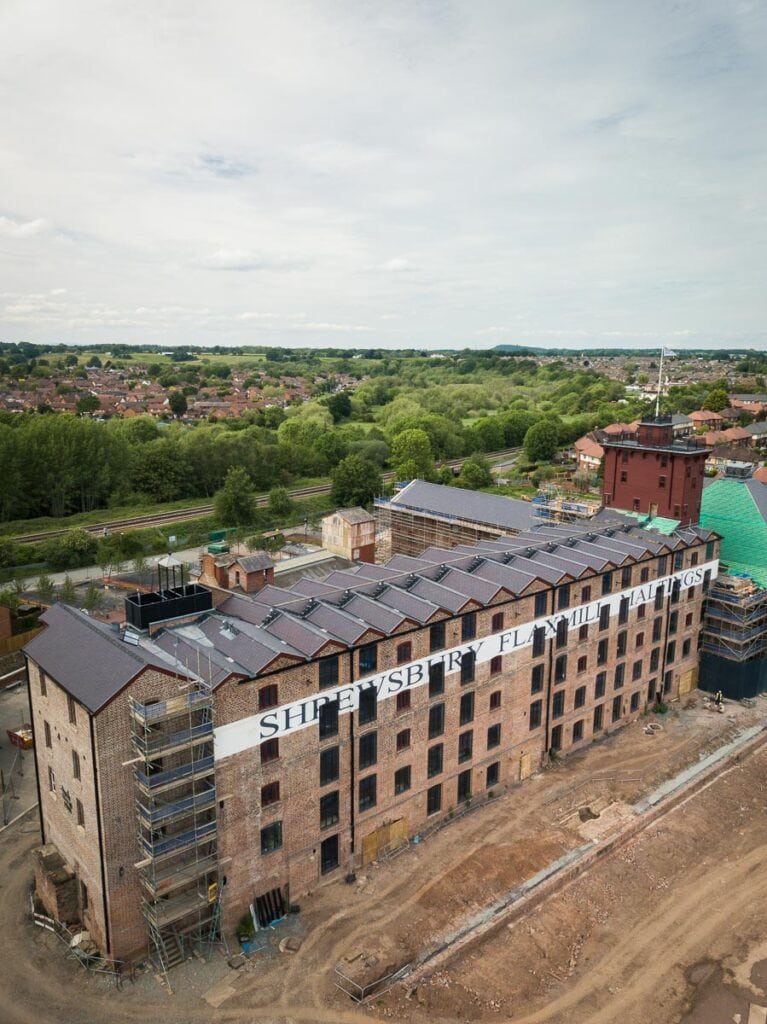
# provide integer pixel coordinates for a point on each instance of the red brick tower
(654, 472)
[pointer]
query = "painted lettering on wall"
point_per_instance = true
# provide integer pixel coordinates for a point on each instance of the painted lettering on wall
(251, 731)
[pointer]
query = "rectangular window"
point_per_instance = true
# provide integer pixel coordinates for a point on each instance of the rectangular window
(75, 764)
(607, 583)
(467, 709)
(404, 652)
(328, 854)
(657, 628)
(602, 649)
(662, 481)
(641, 611)
(539, 641)
(598, 713)
(436, 720)
(536, 679)
(80, 814)
(604, 616)
(495, 700)
(47, 729)
(580, 697)
(662, 565)
(496, 665)
(469, 626)
(270, 751)
(585, 595)
(623, 611)
(329, 805)
(368, 705)
(433, 799)
(368, 747)
(43, 687)
(678, 560)
(535, 714)
(651, 688)
(328, 671)
(465, 746)
(271, 837)
(434, 760)
(671, 651)
(436, 679)
(556, 738)
(267, 697)
(494, 736)
(600, 685)
(403, 701)
(622, 644)
(367, 793)
(688, 619)
(562, 633)
(654, 658)
(467, 667)
(541, 603)
(668, 680)
(329, 766)
(51, 779)
(560, 669)
(616, 708)
(583, 663)
(492, 774)
(402, 780)
(644, 574)
(635, 702)
(496, 624)
(639, 640)
(578, 731)
(620, 675)
(328, 719)
(72, 708)
(270, 794)
(437, 636)
(463, 791)
(558, 705)
(659, 598)
(583, 632)
(686, 648)
(563, 597)
(368, 658)
(636, 671)
(625, 577)
(676, 590)
(694, 558)
(403, 740)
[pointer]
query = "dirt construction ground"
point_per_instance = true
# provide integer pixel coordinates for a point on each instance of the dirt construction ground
(670, 927)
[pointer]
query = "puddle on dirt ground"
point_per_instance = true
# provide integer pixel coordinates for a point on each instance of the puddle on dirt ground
(700, 972)
(759, 975)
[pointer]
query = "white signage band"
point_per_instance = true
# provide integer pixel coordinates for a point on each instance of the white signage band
(249, 732)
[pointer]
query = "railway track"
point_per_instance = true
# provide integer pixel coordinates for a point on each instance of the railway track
(198, 511)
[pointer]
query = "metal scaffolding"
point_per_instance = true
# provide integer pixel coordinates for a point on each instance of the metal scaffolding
(404, 530)
(175, 789)
(735, 624)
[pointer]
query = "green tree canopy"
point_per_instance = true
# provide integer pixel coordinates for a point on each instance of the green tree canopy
(177, 402)
(356, 481)
(541, 441)
(234, 504)
(412, 455)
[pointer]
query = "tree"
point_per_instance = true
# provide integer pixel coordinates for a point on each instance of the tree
(356, 481)
(340, 406)
(178, 404)
(717, 399)
(92, 599)
(87, 403)
(45, 589)
(67, 592)
(541, 441)
(412, 455)
(95, 361)
(234, 504)
(279, 502)
(76, 548)
(475, 473)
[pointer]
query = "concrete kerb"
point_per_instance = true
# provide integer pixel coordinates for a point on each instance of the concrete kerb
(555, 876)
(18, 818)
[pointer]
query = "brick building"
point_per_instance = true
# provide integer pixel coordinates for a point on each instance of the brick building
(654, 473)
(236, 757)
(351, 533)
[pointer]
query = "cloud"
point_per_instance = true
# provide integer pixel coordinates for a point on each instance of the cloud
(10, 228)
(585, 171)
(240, 259)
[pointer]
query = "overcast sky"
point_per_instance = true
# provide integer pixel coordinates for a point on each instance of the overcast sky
(383, 172)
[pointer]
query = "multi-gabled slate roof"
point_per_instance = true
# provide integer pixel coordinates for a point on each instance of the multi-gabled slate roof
(248, 636)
